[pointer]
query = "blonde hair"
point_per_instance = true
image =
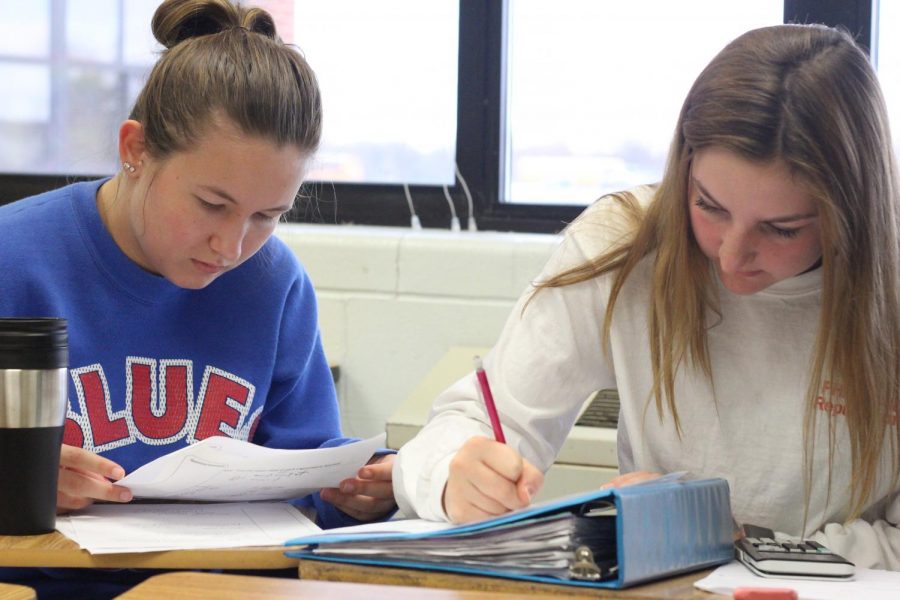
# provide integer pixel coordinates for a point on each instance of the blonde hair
(224, 58)
(808, 96)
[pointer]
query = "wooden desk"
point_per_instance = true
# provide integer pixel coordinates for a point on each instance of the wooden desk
(56, 550)
(197, 586)
(680, 588)
(9, 591)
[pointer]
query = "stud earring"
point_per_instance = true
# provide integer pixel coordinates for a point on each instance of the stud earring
(128, 167)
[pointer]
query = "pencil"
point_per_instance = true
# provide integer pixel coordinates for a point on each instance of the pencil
(488, 399)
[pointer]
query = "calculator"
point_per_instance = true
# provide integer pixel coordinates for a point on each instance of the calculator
(791, 558)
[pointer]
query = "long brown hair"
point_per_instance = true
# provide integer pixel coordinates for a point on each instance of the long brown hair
(222, 58)
(808, 96)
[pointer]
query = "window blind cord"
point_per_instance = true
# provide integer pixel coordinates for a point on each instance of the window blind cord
(454, 220)
(471, 226)
(413, 217)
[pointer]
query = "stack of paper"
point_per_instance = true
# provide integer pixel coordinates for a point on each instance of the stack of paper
(111, 528)
(214, 470)
(552, 539)
(544, 545)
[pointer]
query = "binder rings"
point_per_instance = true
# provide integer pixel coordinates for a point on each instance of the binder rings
(608, 538)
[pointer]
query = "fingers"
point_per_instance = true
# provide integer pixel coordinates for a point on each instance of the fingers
(362, 508)
(76, 490)
(363, 487)
(737, 531)
(529, 483)
(630, 479)
(374, 479)
(486, 479)
(81, 460)
(84, 477)
(368, 496)
(484, 494)
(378, 472)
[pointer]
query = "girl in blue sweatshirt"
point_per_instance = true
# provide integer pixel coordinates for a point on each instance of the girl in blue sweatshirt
(187, 317)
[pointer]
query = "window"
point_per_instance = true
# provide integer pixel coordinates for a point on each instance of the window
(79, 65)
(593, 89)
(76, 68)
(23, 45)
(428, 85)
(387, 71)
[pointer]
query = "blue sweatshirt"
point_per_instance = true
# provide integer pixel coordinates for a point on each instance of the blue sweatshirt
(154, 367)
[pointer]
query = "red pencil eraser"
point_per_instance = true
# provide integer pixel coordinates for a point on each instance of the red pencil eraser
(747, 593)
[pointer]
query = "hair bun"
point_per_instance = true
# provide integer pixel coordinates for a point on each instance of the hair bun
(258, 21)
(178, 20)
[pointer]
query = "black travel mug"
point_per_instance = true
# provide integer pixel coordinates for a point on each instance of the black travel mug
(34, 360)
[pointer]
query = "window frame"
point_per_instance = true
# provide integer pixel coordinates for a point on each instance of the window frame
(480, 106)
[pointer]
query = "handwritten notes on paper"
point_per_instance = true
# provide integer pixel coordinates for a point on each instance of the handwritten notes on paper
(222, 469)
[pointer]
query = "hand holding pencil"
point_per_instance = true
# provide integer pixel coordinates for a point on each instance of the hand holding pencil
(488, 477)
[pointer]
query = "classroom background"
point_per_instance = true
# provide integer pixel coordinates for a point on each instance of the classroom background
(516, 112)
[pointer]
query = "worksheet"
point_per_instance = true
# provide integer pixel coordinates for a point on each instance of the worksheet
(222, 469)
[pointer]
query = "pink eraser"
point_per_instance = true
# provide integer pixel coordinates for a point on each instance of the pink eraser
(748, 593)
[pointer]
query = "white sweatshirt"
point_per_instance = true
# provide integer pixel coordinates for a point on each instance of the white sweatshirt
(746, 425)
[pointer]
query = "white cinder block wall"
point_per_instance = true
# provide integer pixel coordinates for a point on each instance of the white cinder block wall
(393, 300)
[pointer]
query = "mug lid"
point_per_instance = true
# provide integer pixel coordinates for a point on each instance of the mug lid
(33, 343)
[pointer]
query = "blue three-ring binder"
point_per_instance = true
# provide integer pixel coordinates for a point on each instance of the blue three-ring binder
(608, 538)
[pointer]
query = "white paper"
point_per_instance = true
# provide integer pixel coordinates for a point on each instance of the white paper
(112, 528)
(396, 526)
(224, 469)
(871, 584)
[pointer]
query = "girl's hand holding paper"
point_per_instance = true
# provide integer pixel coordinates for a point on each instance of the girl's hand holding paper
(85, 477)
(370, 495)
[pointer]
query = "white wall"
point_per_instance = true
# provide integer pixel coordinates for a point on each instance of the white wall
(393, 300)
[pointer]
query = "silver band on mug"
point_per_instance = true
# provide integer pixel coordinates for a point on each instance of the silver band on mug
(32, 398)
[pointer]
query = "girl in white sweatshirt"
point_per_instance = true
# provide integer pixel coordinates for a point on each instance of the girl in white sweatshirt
(747, 309)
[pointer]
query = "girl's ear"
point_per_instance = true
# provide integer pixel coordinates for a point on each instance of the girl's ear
(131, 147)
